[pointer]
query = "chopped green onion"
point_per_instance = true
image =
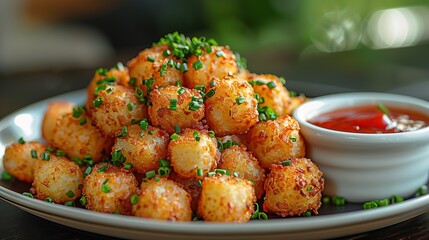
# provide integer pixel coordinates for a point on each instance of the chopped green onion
(6, 176)
(104, 187)
(292, 138)
(97, 102)
(128, 166)
(220, 53)
(177, 129)
(69, 204)
(163, 70)
(124, 132)
(88, 171)
(286, 162)
(173, 104)
(271, 84)
(21, 140)
(198, 65)
(144, 124)
(70, 194)
(150, 59)
(200, 172)
(307, 213)
(83, 200)
(150, 174)
(423, 190)
(130, 106)
(77, 112)
(326, 200)
(82, 121)
(211, 93)
(46, 156)
(164, 171)
(211, 133)
(48, 199)
(102, 71)
(34, 153)
(180, 91)
(338, 200)
(27, 194)
(174, 136)
(257, 82)
(196, 136)
(103, 168)
(184, 68)
(132, 81)
(134, 199)
(118, 158)
(166, 53)
(370, 205)
(396, 199)
(383, 202)
(239, 100)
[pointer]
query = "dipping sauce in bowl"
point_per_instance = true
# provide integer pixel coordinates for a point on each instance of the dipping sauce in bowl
(366, 161)
(374, 118)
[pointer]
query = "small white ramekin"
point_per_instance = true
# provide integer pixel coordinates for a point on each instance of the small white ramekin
(364, 167)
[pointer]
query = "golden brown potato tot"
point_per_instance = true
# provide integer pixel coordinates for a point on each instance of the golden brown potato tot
(176, 106)
(77, 137)
(109, 188)
(164, 199)
(143, 148)
(57, 178)
(193, 151)
(241, 163)
(231, 107)
(53, 112)
(115, 107)
(271, 89)
(273, 141)
(293, 189)
(226, 199)
(19, 159)
(220, 62)
(191, 185)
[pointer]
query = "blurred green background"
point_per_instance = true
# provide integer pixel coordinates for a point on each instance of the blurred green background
(319, 46)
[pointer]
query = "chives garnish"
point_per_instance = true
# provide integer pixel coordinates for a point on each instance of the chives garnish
(271, 84)
(286, 162)
(166, 53)
(132, 81)
(174, 136)
(163, 70)
(120, 66)
(82, 121)
(170, 63)
(97, 102)
(209, 50)
(48, 199)
(88, 171)
(164, 162)
(164, 171)
(200, 172)
(338, 200)
(49, 149)
(34, 153)
(200, 87)
(77, 112)
(103, 168)
(239, 100)
(128, 166)
(21, 140)
(292, 138)
(257, 82)
(211, 133)
(183, 67)
(102, 71)
(6, 176)
(292, 93)
(134, 199)
(210, 93)
(194, 105)
(383, 108)
(144, 124)
(130, 106)
(370, 205)
(27, 194)
(180, 91)
(46, 156)
(198, 65)
(107, 80)
(150, 59)
(173, 104)
(118, 158)
(177, 129)
(70, 194)
(83, 200)
(197, 136)
(150, 174)
(69, 204)
(104, 187)
(124, 132)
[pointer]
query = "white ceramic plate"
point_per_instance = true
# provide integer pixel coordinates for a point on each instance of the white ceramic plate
(332, 221)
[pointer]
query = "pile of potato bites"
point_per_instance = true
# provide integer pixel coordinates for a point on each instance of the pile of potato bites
(182, 132)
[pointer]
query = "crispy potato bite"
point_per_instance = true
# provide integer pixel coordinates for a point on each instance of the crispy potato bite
(164, 199)
(54, 111)
(141, 149)
(273, 141)
(77, 137)
(293, 189)
(57, 178)
(114, 108)
(176, 106)
(19, 161)
(109, 188)
(220, 62)
(231, 107)
(155, 66)
(192, 150)
(226, 199)
(271, 89)
(241, 163)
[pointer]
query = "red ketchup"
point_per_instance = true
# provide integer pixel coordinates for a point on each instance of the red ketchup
(370, 119)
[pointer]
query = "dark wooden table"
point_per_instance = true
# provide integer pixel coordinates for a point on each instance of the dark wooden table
(18, 91)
